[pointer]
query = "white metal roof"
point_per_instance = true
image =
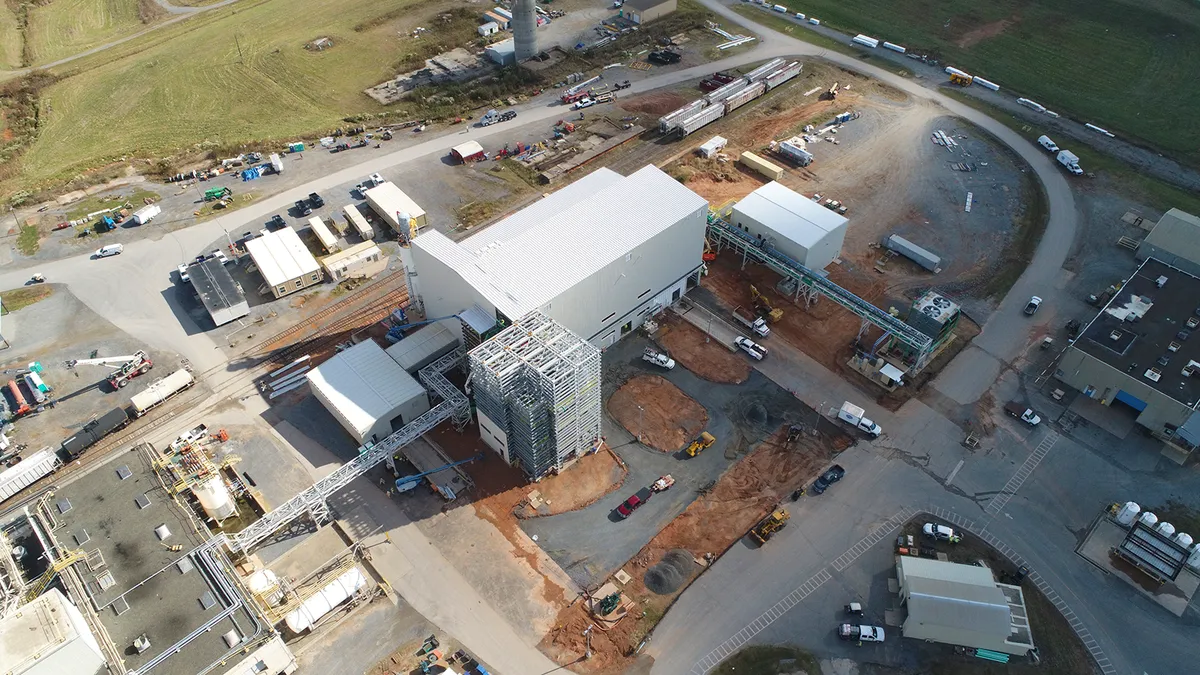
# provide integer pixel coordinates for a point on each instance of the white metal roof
(530, 258)
(281, 257)
(468, 149)
(964, 597)
(387, 200)
(31, 638)
(364, 384)
(421, 344)
(789, 213)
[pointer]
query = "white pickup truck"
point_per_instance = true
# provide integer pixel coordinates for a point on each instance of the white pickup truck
(755, 350)
(1023, 413)
(862, 633)
(658, 358)
(856, 416)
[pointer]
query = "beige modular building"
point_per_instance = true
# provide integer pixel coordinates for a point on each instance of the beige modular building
(390, 203)
(1135, 359)
(761, 166)
(284, 261)
(645, 11)
(962, 605)
(357, 261)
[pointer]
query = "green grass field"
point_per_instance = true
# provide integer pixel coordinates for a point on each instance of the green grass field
(10, 38)
(1126, 65)
(65, 27)
(187, 85)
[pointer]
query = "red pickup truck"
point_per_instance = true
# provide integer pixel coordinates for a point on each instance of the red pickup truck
(629, 505)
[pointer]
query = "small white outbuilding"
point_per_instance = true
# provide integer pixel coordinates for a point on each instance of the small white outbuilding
(793, 224)
(369, 394)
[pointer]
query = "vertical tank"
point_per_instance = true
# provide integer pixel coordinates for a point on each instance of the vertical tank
(1127, 513)
(1183, 539)
(524, 28)
(265, 585)
(1165, 529)
(215, 499)
(1148, 519)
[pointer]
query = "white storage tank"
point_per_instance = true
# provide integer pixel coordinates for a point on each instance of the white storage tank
(1165, 529)
(1183, 539)
(215, 499)
(1127, 513)
(265, 584)
(1148, 519)
(325, 600)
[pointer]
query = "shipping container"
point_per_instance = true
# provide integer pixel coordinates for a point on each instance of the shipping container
(784, 74)
(913, 252)
(894, 47)
(795, 152)
(705, 116)
(761, 166)
(712, 146)
(358, 222)
(321, 231)
(780, 8)
(146, 214)
(745, 96)
(160, 391)
(865, 41)
(986, 84)
(27, 472)
(762, 71)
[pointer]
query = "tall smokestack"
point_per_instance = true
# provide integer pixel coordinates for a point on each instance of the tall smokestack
(524, 27)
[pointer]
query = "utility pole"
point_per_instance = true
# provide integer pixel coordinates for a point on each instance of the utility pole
(239, 48)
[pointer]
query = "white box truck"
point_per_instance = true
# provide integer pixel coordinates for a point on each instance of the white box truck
(1070, 161)
(276, 162)
(856, 416)
(146, 214)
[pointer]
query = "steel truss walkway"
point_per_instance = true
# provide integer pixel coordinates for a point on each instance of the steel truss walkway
(454, 406)
(723, 234)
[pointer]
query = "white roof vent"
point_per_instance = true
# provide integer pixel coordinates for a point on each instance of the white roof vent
(232, 639)
(1160, 282)
(1154, 374)
(162, 531)
(1115, 335)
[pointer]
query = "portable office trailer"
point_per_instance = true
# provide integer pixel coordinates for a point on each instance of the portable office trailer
(894, 47)
(358, 222)
(913, 252)
(761, 166)
(146, 214)
(865, 41)
(987, 84)
(358, 261)
(328, 241)
(389, 202)
(712, 146)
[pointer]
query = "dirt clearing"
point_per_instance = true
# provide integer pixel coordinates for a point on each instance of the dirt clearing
(579, 485)
(657, 412)
(693, 350)
(705, 530)
(659, 103)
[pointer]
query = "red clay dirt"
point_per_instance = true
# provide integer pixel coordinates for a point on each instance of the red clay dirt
(657, 412)
(707, 360)
(579, 485)
(655, 104)
(709, 526)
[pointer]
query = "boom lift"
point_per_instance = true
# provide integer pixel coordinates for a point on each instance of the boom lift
(125, 367)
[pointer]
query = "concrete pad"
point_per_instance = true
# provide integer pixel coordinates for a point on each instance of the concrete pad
(309, 555)
(1097, 549)
(968, 376)
(1103, 416)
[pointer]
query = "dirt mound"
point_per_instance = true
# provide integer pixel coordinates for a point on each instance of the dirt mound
(668, 574)
(657, 412)
(580, 485)
(709, 360)
(655, 104)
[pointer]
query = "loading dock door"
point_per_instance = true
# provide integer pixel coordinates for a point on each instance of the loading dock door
(1130, 400)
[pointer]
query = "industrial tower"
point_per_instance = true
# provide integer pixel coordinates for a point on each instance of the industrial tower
(524, 28)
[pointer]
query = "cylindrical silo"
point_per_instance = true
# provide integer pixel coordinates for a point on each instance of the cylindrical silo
(1165, 529)
(215, 499)
(1128, 512)
(1148, 519)
(524, 28)
(1183, 539)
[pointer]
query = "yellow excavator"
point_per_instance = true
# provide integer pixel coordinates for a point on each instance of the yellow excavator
(763, 306)
(767, 527)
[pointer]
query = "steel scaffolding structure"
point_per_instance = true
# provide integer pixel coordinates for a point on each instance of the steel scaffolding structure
(454, 406)
(725, 234)
(541, 384)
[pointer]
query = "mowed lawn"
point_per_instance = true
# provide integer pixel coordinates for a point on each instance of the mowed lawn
(191, 88)
(64, 28)
(1127, 65)
(10, 38)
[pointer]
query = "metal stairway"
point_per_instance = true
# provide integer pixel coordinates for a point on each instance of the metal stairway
(725, 234)
(454, 406)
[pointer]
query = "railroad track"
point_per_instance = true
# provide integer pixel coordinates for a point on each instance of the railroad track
(316, 333)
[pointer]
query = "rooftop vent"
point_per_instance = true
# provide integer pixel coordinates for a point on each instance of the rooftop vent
(1163, 360)
(1192, 322)
(207, 600)
(1173, 347)
(162, 531)
(142, 643)
(185, 565)
(63, 505)
(123, 472)
(1182, 335)
(1154, 374)
(120, 606)
(105, 580)
(232, 639)
(1115, 335)
(142, 501)
(1160, 282)
(82, 537)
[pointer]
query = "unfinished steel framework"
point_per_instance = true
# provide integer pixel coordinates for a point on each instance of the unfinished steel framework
(540, 384)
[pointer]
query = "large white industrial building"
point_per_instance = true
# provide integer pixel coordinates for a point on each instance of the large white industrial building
(793, 224)
(369, 394)
(598, 257)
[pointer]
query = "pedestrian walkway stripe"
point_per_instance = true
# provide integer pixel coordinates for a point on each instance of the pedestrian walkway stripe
(998, 502)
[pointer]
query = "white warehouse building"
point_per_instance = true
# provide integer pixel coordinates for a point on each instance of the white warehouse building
(599, 257)
(367, 392)
(793, 224)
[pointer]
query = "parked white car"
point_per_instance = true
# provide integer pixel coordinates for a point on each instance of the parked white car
(110, 250)
(583, 103)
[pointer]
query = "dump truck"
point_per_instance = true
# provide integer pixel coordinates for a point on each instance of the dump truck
(856, 417)
(1070, 161)
(658, 358)
(1023, 413)
(754, 323)
(93, 431)
(160, 391)
(767, 527)
(697, 446)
